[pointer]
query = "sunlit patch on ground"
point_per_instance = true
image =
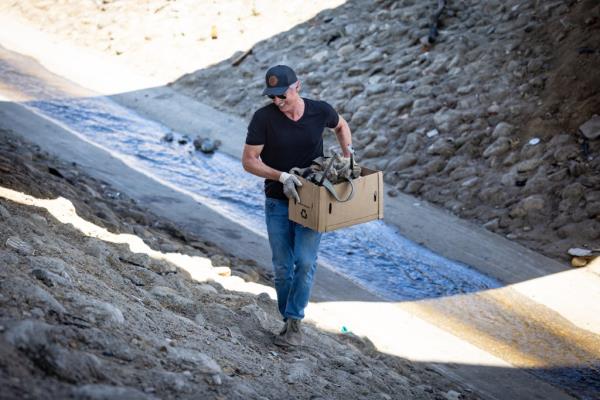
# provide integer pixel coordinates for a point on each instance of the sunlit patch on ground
(200, 268)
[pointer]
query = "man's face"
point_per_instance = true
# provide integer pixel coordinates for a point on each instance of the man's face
(286, 101)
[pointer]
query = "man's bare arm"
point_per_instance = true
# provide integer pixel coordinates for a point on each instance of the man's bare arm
(344, 136)
(252, 163)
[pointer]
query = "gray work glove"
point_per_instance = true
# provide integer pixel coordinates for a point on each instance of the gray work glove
(289, 185)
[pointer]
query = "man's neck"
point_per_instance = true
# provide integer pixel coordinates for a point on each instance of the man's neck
(297, 110)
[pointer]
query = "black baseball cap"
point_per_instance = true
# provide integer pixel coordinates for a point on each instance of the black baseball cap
(278, 79)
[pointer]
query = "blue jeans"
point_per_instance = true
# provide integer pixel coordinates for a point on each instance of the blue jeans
(294, 250)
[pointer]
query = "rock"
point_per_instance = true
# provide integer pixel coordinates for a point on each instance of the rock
(8, 258)
(492, 225)
(53, 264)
(499, 147)
(377, 88)
(373, 150)
(206, 289)
(566, 152)
(200, 361)
(19, 246)
(4, 213)
(527, 165)
(530, 204)
(29, 335)
(138, 259)
(96, 248)
(320, 56)
(452, 395)
(168, 137)
(435, 165)
(503, 129)
(577, 168)
(590, 229)
(462, 90)
(30, 293)
(575, 191)
(219, 260)
(101, 313)
(399, 104)
(50, 279)
(402, 162)
(167, 246)
(442, 146)
(493, 109)
(346, 50)
(413, 187)
(39, 220)
(248, 273)
(162, 267)
(470, 182)
(206, 145)
(169, 298)
(577, 262)
(199, 319)
(70, 365)
(446, 120)
(299, 371)
(264, 320)
(234, 98)
(108, 392)
(591, 128)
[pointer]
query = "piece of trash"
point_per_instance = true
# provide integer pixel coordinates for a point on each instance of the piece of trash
(580, 261)
(432, 133)
(579, 252)
(344, 329)
(534, 141)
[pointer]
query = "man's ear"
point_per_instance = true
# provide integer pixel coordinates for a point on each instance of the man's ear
(298, 86)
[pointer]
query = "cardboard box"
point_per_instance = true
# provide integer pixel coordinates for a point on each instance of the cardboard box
(320, 211)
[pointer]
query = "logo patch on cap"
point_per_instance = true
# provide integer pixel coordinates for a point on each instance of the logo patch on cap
(273, 80)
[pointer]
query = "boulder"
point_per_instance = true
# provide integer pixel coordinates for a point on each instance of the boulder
(591, 128)
(497, 148)
(503, 129)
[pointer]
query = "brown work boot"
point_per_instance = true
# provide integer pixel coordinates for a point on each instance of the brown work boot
(291, 336)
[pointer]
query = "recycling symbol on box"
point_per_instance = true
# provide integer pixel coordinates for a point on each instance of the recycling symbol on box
(303, 213)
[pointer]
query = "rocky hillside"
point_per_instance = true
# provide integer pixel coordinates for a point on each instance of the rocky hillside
(84, 318)
(485, 122)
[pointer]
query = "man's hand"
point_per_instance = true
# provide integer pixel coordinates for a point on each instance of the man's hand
(289, 185)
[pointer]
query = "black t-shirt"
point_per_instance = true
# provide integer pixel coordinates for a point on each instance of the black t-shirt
(288, 143)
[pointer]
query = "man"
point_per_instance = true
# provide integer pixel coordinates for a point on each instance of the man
(288, 133)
